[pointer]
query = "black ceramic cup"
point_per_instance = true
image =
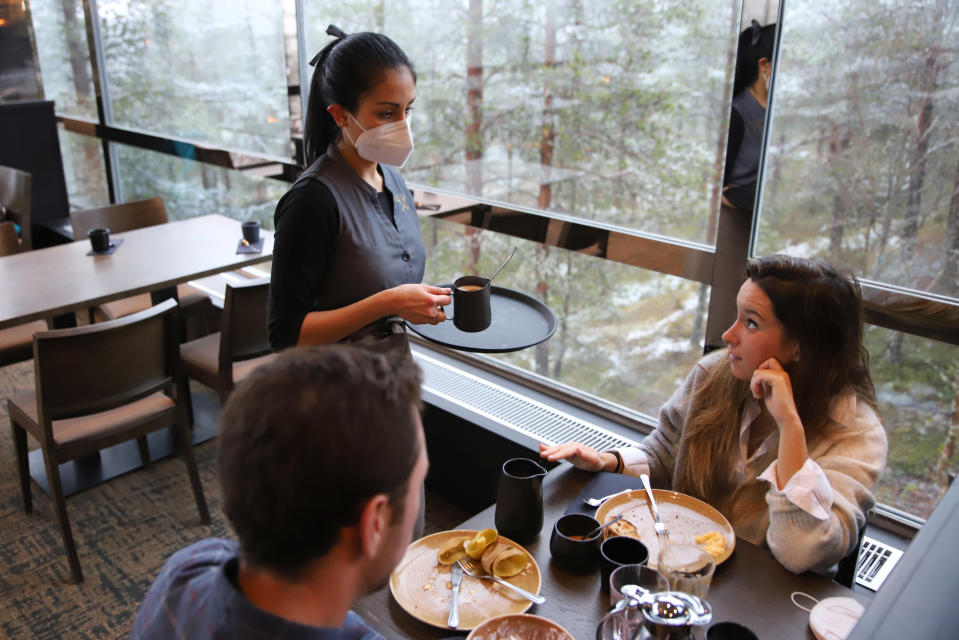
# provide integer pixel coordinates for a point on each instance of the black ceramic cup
(471, 308)
(99, 239)
(618, 551)
(251, 231)
(569, 545)
(729, 631)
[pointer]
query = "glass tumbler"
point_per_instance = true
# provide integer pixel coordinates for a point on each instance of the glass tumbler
(687, 568)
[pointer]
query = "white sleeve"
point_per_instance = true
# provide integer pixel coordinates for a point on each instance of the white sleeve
(635, 462)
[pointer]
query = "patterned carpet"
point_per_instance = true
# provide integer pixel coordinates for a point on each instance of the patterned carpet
(124, 531)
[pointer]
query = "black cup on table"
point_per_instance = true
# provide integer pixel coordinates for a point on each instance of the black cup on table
(571, 545)
(471, 308)
(251, 231)
(99, 239)
(618, 551)
(729, 631)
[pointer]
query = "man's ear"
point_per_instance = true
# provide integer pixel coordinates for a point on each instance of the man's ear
(374, 524)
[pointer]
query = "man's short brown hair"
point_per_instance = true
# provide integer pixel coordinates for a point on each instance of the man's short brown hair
(306, 440)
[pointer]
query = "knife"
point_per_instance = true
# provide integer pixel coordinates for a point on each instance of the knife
(456, 576)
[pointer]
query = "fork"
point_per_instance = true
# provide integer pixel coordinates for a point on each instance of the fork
(476, 571)
(662, 533)
(595, 502)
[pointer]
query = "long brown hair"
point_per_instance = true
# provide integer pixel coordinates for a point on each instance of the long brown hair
(821, 309)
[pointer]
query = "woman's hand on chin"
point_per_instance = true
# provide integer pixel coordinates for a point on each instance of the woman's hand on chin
(770, 383)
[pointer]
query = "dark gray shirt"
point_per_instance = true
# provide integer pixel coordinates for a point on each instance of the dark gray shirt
(335, 245)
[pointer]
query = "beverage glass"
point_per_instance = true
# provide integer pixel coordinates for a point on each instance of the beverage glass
(638, 574)
(687, 568)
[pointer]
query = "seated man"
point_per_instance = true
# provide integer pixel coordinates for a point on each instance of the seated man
(320, 522)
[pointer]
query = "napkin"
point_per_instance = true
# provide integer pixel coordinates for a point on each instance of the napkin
(602, 484)
(256, 247)
(114, 243)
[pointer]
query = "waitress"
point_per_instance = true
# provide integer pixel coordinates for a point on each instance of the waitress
(348, 256)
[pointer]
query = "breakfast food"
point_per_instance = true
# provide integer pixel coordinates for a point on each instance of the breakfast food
(503, 561)
(713, 543)
(451, 550)
(479, 543)
(623, 528)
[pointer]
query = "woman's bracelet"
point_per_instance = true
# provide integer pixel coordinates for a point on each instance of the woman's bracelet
(619, 461)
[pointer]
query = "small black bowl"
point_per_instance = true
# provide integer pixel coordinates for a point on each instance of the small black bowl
(570, 547)
(618, 551)
(729, 631)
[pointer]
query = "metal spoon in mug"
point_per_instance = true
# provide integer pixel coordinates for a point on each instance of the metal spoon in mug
(495, 273)
(603, 526)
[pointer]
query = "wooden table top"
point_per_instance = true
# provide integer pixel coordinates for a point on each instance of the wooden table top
(750, 588)
(62, 279)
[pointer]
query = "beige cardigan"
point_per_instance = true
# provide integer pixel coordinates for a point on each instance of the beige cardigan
(815, 519)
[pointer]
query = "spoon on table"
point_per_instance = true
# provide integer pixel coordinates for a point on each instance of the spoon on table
(603, 526)
(495, 273)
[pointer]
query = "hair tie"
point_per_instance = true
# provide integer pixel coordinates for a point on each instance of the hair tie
(331, 30)
(755, 27)
(335, 31)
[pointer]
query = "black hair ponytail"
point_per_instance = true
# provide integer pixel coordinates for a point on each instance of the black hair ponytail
(755, 42)
(343, 72)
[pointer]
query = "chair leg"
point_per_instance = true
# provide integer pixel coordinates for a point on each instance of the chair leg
(186, 446)
(23, 463)
(144, 451)
(56, 492)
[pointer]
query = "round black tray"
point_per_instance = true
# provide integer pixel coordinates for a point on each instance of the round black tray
(518, 321)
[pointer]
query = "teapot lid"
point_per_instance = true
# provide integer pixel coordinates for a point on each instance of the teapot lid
(669, 608)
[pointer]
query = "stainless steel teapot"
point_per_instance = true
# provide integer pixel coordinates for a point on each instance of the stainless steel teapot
(643, 615)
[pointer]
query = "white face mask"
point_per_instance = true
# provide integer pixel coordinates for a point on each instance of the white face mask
(391, 143)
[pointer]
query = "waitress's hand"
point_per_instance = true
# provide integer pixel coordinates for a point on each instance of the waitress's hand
(421, 303)
(771, 384)
(579, 455)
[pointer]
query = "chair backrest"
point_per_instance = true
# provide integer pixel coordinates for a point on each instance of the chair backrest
(9, 241)
(98, 367)
(119, 217)
(243, 333)
(15, 198)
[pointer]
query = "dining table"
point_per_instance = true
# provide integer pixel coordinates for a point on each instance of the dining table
(62, 279)
(750, 587)
(50, 282)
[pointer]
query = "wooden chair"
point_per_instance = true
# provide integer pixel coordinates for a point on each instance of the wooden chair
(97, 386)
(16, 343)
(126, 217)
(15, 199)
(222, 359)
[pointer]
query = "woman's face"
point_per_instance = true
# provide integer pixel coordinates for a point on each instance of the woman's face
(757, 334)
(390, 100)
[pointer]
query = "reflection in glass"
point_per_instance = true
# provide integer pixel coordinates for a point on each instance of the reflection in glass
(624, 334)
(863, 168)
(83, 169)
(191, 188)
(612, 112)
(64, 56)
(209, 71)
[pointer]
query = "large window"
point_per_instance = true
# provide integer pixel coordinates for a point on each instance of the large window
(211, 71)
(611, 114)
(610, 111)
(863, 170)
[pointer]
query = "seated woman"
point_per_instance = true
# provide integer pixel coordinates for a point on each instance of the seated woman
(779, 430)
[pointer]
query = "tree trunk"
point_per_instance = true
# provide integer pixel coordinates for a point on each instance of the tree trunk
(548, 134)
(78, 51)
(474, 99)
(949, 447)
(563, 317)
(949, 279)
(541, 351)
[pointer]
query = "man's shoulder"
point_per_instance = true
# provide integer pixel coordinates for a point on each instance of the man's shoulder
(181, 595)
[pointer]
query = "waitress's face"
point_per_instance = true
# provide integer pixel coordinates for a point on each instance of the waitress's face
(757, 334)
(390, 100)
